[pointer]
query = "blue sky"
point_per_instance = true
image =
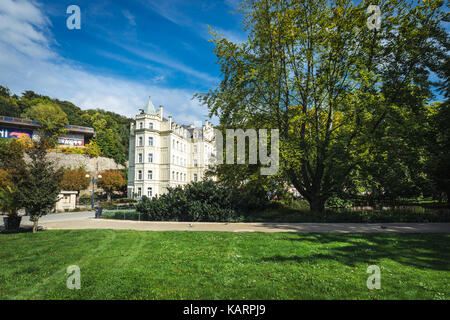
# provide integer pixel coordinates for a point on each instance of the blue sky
(124, 52)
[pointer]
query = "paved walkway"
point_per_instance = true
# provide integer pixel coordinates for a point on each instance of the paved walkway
(86, 221)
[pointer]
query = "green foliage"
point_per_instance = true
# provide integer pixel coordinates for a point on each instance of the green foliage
(296, 212)
(8, 104)
(123, 215)
(74, 180)
(92, 149)
(198, 201)
(340, 94)
(111, 181)
(113, 130)
(10, 200)
(85, 199)
(51, 117)
(438, 146)
(11, 155)
(12, 165)
(337, 202)
(41, 184)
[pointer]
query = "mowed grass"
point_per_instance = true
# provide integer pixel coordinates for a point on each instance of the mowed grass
(120, 264)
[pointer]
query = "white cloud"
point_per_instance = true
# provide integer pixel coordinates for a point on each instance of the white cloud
(32, 65)
(131, 19)
(231, 35)
(176, 65)
(170, 10)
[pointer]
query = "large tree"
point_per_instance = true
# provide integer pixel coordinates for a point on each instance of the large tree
(111, 181)
(74, 180)
(314, 70)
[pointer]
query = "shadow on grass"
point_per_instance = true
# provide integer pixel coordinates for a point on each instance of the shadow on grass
(426, 251)
(24, 229)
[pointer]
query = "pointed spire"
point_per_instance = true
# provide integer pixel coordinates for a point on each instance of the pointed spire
(149, 108)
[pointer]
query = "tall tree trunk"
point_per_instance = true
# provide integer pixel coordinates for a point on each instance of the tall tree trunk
(448, 197)
(317, 204)
(35, 225)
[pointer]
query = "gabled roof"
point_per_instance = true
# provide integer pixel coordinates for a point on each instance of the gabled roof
(149, 108)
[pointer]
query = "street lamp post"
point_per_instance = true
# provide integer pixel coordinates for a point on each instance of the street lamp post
(93, 180)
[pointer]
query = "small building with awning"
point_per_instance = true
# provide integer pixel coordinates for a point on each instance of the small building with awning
(76, 136)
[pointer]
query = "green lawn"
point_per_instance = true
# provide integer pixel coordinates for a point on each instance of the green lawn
(118, 264)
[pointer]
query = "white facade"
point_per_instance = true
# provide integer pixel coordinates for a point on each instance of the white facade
(67, 201)
(164, 154)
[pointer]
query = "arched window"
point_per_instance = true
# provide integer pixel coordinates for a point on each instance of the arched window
(140, 142)
(140, 175)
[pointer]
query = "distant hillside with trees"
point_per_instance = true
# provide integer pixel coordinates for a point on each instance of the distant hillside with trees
(113, 130)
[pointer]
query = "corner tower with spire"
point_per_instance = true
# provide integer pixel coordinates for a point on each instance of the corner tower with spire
(164, 154)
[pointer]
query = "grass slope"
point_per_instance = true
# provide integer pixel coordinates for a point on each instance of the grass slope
(118, 264)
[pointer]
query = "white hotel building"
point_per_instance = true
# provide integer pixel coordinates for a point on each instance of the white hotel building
(164, 154)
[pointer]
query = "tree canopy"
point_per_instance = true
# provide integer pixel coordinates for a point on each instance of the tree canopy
(347, 100)
(113, 130)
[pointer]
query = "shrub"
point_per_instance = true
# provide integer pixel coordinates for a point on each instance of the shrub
(336, 202)
(85, 199)
(123, 215)
(198, 201)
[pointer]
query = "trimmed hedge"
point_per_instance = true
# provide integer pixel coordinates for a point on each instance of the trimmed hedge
(197, 201)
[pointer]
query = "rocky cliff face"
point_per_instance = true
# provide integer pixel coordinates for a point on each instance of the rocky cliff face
(75, 161)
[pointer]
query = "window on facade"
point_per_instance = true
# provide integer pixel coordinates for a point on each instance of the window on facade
(173, 175)
(140, 175)
(195, 163)
(150, 141)
(195, 148)
(149, 192)
(140, 142)
(139, 193)
(141, 125)
(150, 175)
(195, 177)
(184, 177)
(140, 158)
(177, 177)
(150, 157)
(150, 125)
(178, 146)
